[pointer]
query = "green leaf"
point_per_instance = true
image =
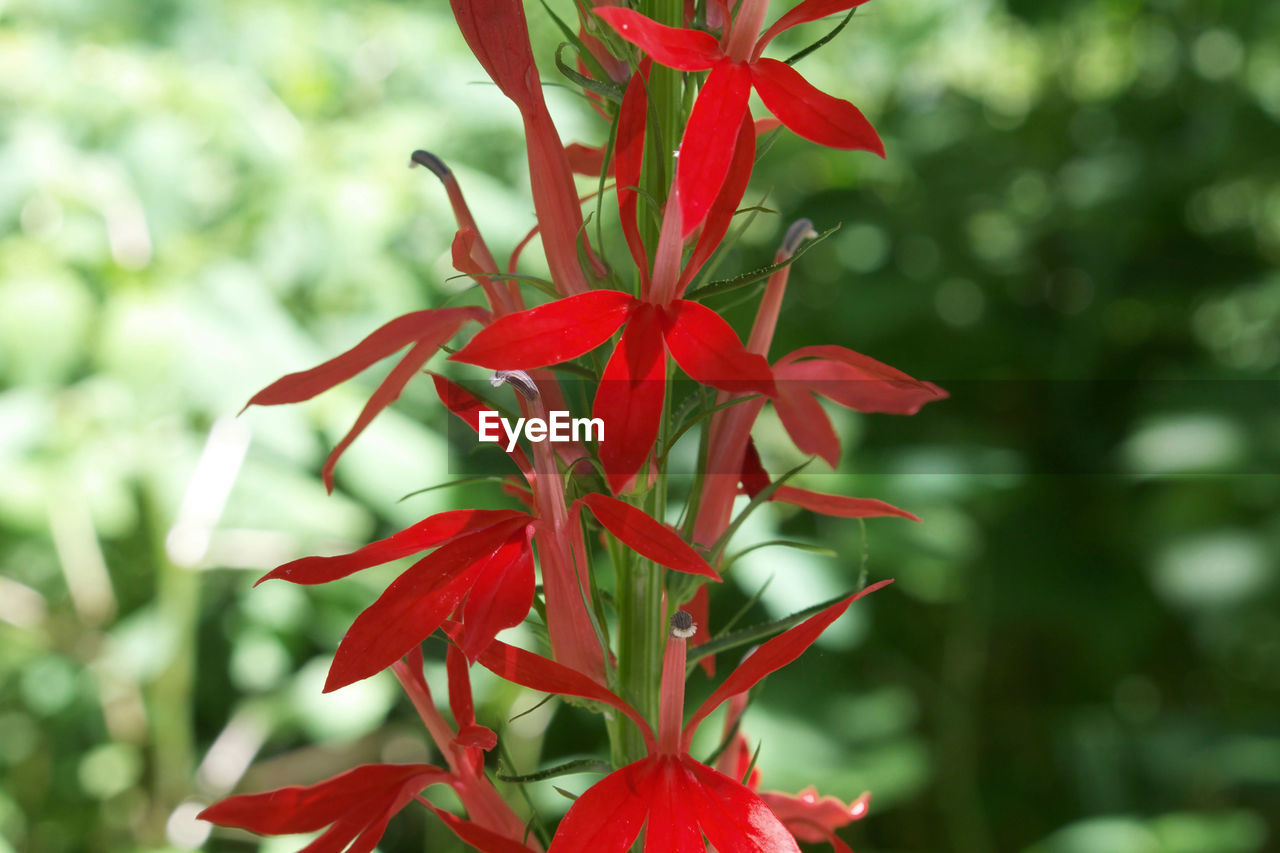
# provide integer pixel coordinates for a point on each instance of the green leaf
(799, 55)
(727, 285)
(758, 633)
(611, 91)
(787, 543)
(580, 765)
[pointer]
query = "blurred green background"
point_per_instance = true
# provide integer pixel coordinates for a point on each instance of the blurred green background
(1076, 232)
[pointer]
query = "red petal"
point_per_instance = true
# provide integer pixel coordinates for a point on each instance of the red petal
(809, 10)
(484, 840)
(500, 598)
(708, 349)
(806, 422)
(838, 506)
(436, 323)
(427, 533)
(754, 477)
(629, 399)
(548, 334)
(498, 35)
(467, 260)
(708, 140)
(687, 50)
(417, 602)
(585, 160)
(726, 203)
(461, 704)
(646, 536)
(385, 394)
(733, 818)
(539, 673)
(366, 789)
(628, 158)
(812, 114)
(468, 407)
(673, 822)
(774, 655)
(608, 816)
(856, 381)
(813, 818)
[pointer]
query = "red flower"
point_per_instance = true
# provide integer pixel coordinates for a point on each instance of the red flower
(736, 68)
(633, 385)
(356, 806)
(677, 798)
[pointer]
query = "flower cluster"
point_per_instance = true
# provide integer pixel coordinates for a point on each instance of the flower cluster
(679, 177)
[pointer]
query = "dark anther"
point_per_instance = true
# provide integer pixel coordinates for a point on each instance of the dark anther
(431, 161)
(517, 379)
(682, 625)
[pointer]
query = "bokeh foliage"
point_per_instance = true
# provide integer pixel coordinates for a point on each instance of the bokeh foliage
(1077, 232)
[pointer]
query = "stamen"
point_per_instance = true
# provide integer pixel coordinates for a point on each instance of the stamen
(517, 379)
(800, 230)
(431, 161)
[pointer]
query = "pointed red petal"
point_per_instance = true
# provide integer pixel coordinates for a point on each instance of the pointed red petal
(629, 399)
(500, 598)
(461, 704)
(628, 158)
(806, 422)
(726, 203)
(733, 818)
(774, 655)
(418, 601)
(306, 809)
(687, 50)
(468, 407)
(400, 332)
(673, 820)
(838, 506)
(608, 816)
(386, 394)
(708, 349)
(646, 536)
(709, 138)
(545, 675)
(427, 533)
(548, 334)
(857, 381)
(812, 114)
(809, 10)
(484, 840)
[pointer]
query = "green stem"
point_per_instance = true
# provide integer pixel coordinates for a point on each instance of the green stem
(666, 118)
